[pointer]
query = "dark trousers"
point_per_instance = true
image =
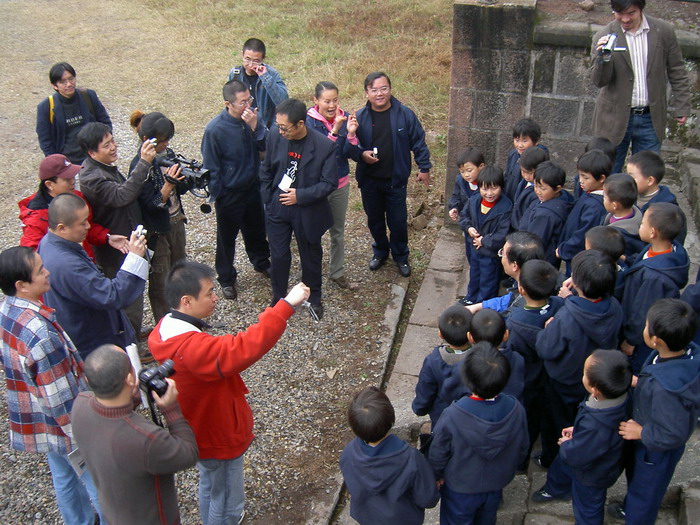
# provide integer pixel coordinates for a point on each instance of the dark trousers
(484, 276)
(647, 481)
(240, 210)
(386, 206)
(559, 411)
(532, 403)
(457, 508)
(169, 249)
(134, 312)
(282, 221)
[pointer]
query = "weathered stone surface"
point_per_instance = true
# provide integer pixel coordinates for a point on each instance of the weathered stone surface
(476, 68)
(436, 295)
(461, 107)
(563, 34)
(496, 26)
(565, 152)
(556, 116)
(573, 74)
(497, 110)
(419, 341)
(514, 71)
(587, 119)
(543, 62)
(448, 255)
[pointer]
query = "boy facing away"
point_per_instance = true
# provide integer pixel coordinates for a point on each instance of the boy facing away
(593, 168)
(526, 134)
(666, 407)
(479, 441)
(661, 270)
(619, 196)
(389, 482)
(587, 321)
(609, 241)
(547, 217)
(439, 381)
(591, 453)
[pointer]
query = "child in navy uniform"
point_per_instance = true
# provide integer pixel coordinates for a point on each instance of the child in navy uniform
(487, 221)
(593, 167)
(526, 134)
(525, 194)
(479, 441)
(591, 452)
(602, 144)
(439, 381)
(666, 407)
(389, 482)
(538, 283)
(547, 218)
(470, 162)
(588, 321)
(487, 325)
(610, 241)
(620, 194)
(660, 271)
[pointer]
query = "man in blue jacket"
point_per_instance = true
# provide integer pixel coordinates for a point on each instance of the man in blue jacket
(231, 149)
(388, 132)
(62, 115)
(262, 80)
(89, 305)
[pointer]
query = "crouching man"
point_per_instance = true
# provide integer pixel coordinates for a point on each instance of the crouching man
(208, 375)
(131, 459)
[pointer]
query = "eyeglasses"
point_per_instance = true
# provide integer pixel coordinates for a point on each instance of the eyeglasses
(247, 60)
(500, 252)
(285, 129)
(376, 91)
(244, 103)
(69, 80)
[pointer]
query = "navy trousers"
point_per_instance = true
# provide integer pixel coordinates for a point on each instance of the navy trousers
(484, 276)
(386, 207)
(457, 508)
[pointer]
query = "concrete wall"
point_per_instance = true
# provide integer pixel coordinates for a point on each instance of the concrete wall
(506, 66)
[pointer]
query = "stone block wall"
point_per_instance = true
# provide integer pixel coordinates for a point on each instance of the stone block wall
(506, 66)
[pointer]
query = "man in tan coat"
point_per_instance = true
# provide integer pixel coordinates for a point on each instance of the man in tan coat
(631, 107)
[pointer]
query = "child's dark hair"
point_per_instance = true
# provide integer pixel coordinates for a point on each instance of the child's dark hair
(485, 370)
(594, 273)
(454, 323)
(526, 127)
(674, 322)
(524, 246)
(469, 154)
(490, 176)
(539, 279)
(608, 240)
(371, 414)
(650, 164)
(609, 371)
(550, 174)
(666, 218)
(604, 145)
(596, 163)
(488, 325)
(622, 189)
(533, 157)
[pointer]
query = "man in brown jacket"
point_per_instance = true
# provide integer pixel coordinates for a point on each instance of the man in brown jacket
(633, 77)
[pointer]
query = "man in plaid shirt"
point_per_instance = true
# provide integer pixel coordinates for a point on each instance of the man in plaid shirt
(44, 374)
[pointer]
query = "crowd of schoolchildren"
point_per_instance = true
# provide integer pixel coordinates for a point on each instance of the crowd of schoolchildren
(599, 363)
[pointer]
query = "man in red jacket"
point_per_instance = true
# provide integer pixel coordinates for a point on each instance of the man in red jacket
(208, 376)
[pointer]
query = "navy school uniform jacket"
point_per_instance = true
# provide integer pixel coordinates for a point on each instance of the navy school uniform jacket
(523, 327)
(389, 484)
(547, 220)
(647, 281)
(512, 172)
(494, 226)
(586, 213)
(667, 400)
(525, 197)
(460, 194)
(478, 445)
(579, 327)
(691, 295)
(629, 228)
(622, 269)
(595, 452)
(666, 195)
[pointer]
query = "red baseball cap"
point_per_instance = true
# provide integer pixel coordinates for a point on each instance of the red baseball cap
(57, 165)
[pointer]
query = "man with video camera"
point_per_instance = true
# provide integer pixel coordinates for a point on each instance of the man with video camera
(131, 459)
(208, 373)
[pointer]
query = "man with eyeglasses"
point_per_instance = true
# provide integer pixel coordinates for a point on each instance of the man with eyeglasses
(231, 148)
(298, 173)
(388, 132)
(262, 80)
(62, 115)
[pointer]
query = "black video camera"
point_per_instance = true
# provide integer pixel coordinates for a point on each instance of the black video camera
(153, 379)
(195, 175)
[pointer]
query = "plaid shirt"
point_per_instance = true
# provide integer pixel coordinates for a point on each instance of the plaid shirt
(44, 374)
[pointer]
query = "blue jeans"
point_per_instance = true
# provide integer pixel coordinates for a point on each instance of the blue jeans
(73, 493)
(221, 495)
(640, 133)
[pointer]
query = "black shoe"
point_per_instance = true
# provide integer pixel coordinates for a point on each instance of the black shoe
(542, 496)
(318, 308)
(404, 269)
(376, 263)
(230, 293)
(617, 511)
(537, 460)
(264, 271)
(464, 301)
